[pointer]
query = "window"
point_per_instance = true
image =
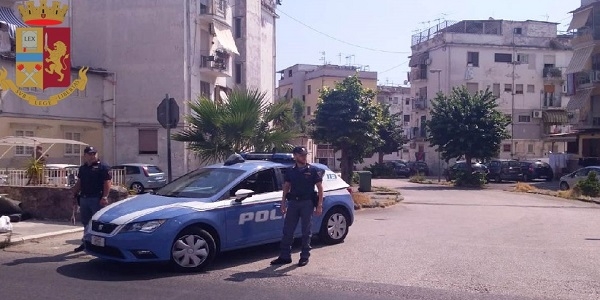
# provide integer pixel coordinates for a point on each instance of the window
(395, 100)
(260, 182)
(238, 73)
(237, 27)
(530, 148)
(290, 73)
(496, 90)
(518, 30)
(407, 102)
(23, 150)
(473, 59)
(583, 172)
(308, 110)
(202, 183)
(309, 89)
(472, 87)
(524, 119)
(523, 58)
(506, 148)
(303, 98)
(508, 88)
(531, 88)
(291, 93)
(205, 89)
(131, 170)
(519, 89)
(148, 141)
(503, 57)
(73, 149)
(406, 118)
(508, 117)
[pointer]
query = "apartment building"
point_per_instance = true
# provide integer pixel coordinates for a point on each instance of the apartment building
(583, 80)
(523, 63)
(303, 81)
(187, 50)
(254, 32)
(82, 116)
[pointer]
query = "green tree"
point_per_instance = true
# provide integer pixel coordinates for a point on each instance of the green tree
(347, 119)
(245, 122)
(390, 132)
(466, 125)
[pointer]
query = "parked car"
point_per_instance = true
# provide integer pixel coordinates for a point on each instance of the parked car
(459, 166)
(401, 169)
(504, 169)
(418, 167)
(61, 174)
(533, 170)
(216, 208)
(570, 180)
(142, 177)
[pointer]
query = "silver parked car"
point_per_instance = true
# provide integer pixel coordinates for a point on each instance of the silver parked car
(142, 177)
(570, 180)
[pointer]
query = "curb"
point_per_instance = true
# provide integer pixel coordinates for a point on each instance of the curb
(27, 238)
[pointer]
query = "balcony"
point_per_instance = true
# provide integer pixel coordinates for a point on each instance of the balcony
(211, 10)
(420, 103)
(215, 63)
(583, 36)
(553, 75)
(551, 100)
(587, 78)
(418, 74)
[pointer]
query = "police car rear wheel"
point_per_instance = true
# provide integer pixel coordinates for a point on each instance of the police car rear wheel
(193, 250)
(334, 228)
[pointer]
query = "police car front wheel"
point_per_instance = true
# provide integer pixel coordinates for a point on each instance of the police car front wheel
(334, 227)
(193, 250)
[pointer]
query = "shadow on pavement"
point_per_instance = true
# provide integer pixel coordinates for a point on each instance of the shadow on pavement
(436, 187)
(45, 259)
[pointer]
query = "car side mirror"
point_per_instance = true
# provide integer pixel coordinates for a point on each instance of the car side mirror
(242, 194)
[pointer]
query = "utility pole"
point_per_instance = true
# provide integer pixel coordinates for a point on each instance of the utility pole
(439, 74)
(512, 102)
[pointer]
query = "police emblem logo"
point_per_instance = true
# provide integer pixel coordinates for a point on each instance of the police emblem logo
(43, 54)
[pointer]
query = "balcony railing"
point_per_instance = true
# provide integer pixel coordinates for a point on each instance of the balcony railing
(50, 177)
(211, 8)
(587, 77)
(552, 72)
(418, 74)
(420, 103)
(551, 101)
(216, 61)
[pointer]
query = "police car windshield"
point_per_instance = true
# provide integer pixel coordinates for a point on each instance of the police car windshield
(202, 183)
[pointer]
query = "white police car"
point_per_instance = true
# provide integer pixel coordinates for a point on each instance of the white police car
(213, 209)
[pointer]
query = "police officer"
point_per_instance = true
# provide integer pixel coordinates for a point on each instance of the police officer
(92, 187)
(298, 203)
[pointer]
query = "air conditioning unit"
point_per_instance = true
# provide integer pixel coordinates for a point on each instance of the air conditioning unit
(537, 114)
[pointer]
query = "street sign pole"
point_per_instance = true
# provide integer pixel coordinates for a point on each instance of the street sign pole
(170, 177)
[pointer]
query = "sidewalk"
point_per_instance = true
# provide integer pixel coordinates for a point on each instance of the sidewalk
(33, 229)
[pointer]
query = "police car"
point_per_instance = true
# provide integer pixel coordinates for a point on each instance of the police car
(216, 208)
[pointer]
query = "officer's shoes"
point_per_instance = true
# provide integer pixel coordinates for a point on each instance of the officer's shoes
(303, 262)
(281, 261)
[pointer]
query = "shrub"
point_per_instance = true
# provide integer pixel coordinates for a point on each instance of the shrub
(418, 178)
(355, 178)
(381, 170)
(590, 186)
(466, 179)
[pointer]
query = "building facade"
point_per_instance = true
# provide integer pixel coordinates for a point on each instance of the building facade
(254, 32)
(583, 81)
(82, 116)
(521, 63)
(191, 52)
(304, 82)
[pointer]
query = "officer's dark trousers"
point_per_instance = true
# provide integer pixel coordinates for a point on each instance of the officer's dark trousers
(297, 211)
(88, 207)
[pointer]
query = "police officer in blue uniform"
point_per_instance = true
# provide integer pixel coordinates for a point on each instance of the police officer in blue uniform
(298, 203)
(92, 187)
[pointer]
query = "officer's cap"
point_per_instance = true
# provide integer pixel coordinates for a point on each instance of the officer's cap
(299, 150)
(90, 150)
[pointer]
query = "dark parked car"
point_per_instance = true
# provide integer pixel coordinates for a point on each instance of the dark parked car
(418, 167)
(536, 170)
(504, 169)
(400, 168)
(459, 166)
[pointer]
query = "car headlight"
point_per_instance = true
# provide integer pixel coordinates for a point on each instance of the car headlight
(146, 227)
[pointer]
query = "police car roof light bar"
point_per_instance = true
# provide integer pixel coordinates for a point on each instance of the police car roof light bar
(274, 157)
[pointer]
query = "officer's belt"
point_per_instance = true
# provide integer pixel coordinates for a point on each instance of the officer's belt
(298, 198)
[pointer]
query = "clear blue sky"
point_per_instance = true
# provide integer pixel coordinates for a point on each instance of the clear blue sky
(387, 25)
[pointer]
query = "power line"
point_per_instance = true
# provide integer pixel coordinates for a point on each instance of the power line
(334, 38)
(393, 68)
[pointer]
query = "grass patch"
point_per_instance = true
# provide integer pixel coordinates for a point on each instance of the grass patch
(380, 197)
(417, 179)
(4, 240)
(524, 187)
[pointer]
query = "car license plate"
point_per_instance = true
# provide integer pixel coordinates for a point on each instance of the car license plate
(97, 241)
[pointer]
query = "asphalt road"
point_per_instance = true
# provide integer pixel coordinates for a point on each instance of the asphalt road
(441, 243)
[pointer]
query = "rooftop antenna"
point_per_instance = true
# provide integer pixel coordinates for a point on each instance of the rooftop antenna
(349, 59)
(547, 17)
(340, 58)
(323, 58)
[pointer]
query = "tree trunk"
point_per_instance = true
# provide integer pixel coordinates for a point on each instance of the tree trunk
(346, 167)
(468, 164)
(381, 157)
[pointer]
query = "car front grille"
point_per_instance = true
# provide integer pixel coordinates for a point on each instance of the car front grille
(103, 227)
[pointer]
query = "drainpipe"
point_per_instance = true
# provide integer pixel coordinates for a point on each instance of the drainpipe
(187, 75)
(114, 118)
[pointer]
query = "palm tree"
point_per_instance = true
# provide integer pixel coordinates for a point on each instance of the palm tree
(245, 122)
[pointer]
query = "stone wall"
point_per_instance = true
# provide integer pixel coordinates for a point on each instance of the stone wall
(51, 203)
